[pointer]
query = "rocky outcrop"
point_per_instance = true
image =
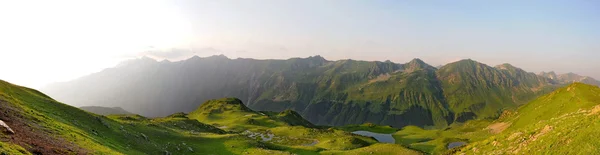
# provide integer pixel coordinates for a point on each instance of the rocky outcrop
(6, 128)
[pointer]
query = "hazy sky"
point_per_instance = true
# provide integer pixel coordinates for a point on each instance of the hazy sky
(48, 41)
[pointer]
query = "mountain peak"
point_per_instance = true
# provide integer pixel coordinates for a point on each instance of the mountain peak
(509, 67)
(506, 65)
(317, 58)
(144, 60)
(417, 61)
(195, 57)
(468, 63)
(550, 75)
(220, 56)
(416, 64)
(547, 73)
(464, 62)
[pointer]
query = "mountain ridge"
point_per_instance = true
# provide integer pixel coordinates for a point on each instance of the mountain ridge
(325, 92)
(570, 77)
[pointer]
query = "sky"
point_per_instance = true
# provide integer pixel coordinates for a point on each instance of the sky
(42, 41)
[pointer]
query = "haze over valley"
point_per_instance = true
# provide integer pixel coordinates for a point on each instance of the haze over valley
(384, 93)
(271, 77)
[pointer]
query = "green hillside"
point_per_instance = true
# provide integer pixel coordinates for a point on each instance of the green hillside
(231, 114)
(104, 110)
(286, 128)
(42, 125)
(565, 118)
(555, 123)
(475, 90)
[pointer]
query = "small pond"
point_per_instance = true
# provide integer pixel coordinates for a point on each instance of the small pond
(381, 137)
(456, 144)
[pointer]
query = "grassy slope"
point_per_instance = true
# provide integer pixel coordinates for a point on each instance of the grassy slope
(380, 149)
(81, 132)
(553, 124)
(368, 127)
(567, 117)
(475, 90)
(104, 110)
(68, 130)
(8, 148)
(230, 114)
(435, 141)
(290, 131)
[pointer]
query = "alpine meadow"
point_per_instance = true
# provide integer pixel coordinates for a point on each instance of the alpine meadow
(268, 77)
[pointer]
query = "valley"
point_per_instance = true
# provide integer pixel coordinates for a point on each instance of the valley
(324, 92)
(304, 77)
(228, 126)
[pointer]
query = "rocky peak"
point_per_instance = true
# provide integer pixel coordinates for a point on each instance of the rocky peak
(416, 64)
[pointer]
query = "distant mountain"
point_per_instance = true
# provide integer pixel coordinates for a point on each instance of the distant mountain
(324, 92)
(475, 90)
(567, 117)
(549, 75)
(104, 110)
(568, 78)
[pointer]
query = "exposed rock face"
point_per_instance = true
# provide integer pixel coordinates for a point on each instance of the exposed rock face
(145, 137)
(6, 127)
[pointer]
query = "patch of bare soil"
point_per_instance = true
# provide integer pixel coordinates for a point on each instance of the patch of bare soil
(524, 142)
(29, 134)
(498, 127)
(595, 110)
(382, 77)
(542, 132)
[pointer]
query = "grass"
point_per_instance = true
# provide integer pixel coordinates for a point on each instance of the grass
(553, 124)
(382, 149)
(230, 114)
(7, 148)
(436, 141)
(131, 134)
(562, 122)
(290, 130)
(568, 117)
(43, 124)
(369, 127)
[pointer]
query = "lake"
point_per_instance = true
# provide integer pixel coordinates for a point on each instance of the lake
(456, 144)
(381, 137)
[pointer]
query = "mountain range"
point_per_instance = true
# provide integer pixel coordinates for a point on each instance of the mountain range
(33, 123)
(324, 92)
